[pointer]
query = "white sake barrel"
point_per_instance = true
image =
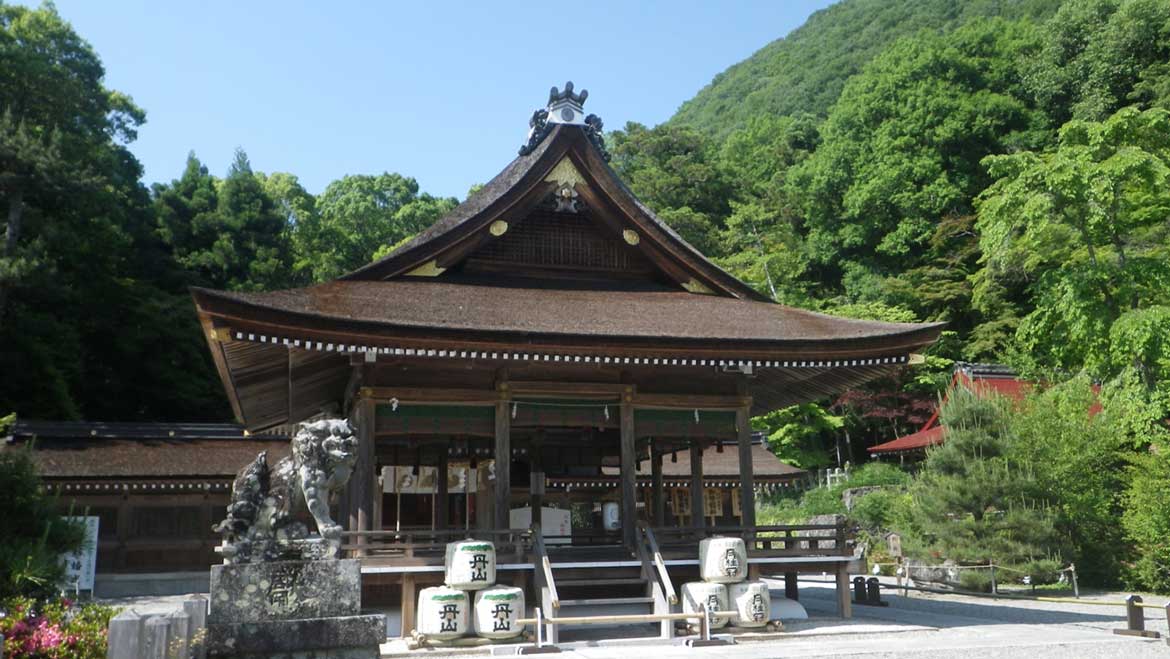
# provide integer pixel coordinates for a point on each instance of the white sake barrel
(752, 602)
(713, 597)
(496, 611)
(470, 564)
(723, 560)
(443, 613)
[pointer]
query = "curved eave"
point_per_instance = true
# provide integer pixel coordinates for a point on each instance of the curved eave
(216, 309)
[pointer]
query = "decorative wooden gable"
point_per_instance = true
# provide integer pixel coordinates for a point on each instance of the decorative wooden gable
(558, 212)
(550, 243)
(561, 237)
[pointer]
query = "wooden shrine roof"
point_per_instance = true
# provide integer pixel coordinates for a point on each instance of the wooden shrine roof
(554, 260)
(119, 451)
(529, 310)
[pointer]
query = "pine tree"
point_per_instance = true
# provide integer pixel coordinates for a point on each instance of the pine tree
(974, 505)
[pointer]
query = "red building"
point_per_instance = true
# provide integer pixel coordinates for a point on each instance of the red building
(979, 379)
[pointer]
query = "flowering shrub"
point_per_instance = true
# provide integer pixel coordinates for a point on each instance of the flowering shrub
(54, 629)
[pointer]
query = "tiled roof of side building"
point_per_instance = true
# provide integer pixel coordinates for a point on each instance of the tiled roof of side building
(912, 442)
(88, 450)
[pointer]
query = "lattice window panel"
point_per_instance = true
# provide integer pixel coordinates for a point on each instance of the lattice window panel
(561, 241)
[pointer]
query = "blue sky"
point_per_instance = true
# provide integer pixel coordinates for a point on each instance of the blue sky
(438, 91)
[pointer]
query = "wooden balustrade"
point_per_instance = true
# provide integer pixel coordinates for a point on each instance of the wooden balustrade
(428, 545)
(775, 540)
(432, 543)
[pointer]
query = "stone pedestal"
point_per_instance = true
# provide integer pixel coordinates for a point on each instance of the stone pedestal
(291, 609)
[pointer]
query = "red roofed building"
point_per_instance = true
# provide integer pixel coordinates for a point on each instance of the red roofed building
(979, 379)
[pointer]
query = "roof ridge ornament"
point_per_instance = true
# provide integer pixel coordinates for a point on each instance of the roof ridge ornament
(564, 107)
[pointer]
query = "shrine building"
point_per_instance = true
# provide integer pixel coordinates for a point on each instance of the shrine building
(548, 332)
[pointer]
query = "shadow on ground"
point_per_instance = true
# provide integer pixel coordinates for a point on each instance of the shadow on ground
(944, 612)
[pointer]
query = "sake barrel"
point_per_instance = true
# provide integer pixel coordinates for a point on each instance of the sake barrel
(443, 613)
(496, 611)
(470, 564)
(713, 597)
(752, 603)
(722, 560)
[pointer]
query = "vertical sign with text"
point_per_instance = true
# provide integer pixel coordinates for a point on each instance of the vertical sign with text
(80, 565)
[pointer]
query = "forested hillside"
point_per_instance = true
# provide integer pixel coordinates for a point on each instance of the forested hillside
(805, 71)
(1004, 173)
(1001, 166)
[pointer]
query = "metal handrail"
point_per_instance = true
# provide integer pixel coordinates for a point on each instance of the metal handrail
(659, 565)
(546, 568)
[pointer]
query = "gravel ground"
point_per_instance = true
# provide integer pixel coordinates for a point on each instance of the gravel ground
(921, 625)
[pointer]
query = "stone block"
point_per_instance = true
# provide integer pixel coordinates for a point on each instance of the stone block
(284, 590)
(316, 638)
(157, 638)
(125, 635)
(180, 643)
(196, 610)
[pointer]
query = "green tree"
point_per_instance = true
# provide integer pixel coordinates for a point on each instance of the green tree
(977, 504)
(358, 215)
(228, 234)
(93, 324)
(805, 71)
(677, 172)
(34, 533)
(795, 434)
(298, 209)
(1082, 229)
(764, 250)
(1100, 55)
(902, 147)
(1147, 518)
(1079, 458)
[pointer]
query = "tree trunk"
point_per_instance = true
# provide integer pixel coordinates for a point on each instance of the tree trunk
(11, 235)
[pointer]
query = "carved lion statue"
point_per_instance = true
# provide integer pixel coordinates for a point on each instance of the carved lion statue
(264, 518)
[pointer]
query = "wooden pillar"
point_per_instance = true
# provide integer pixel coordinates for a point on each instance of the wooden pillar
(697, 519)
(503, 460)
(844, 603)
(791, 587)
(361, 488)
(441, 515)
(123, 530)
(379, 497)
(659, 501)
(747, 498)
(406, 607)
(536, 480)
(629, 473)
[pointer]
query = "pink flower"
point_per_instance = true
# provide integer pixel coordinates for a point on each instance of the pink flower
(46, 636)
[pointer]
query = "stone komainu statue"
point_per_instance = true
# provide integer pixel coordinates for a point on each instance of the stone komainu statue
(262, 520)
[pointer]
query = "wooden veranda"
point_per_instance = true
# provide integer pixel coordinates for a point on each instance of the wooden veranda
(647, 574)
